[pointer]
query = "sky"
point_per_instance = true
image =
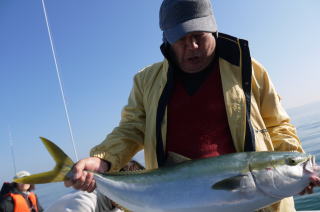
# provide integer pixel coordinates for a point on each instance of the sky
(101, 44)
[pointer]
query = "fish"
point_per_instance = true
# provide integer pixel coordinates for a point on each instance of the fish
(241, 182)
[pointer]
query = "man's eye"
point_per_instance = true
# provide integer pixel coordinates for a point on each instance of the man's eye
(199, 36)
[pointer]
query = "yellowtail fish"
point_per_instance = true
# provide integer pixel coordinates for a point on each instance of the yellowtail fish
(240, 182)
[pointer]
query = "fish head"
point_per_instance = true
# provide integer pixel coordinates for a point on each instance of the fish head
(282, 174)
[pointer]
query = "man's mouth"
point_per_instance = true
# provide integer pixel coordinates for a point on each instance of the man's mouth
(194, 59)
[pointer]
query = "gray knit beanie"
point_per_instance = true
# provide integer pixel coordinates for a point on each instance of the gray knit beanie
(179, 17)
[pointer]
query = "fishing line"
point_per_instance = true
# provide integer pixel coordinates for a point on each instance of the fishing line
(12, 152)
(59, 78)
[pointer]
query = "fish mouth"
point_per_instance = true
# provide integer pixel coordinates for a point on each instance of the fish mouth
(310, 166)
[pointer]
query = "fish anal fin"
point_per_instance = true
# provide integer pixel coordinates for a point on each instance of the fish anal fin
(229, 184)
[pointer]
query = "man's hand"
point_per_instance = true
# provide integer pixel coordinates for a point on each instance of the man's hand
(81, 179)
(315, 181)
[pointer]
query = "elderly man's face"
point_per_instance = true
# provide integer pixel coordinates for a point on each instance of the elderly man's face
(195, 51)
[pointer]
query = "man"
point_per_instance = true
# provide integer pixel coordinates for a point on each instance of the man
(207, 98)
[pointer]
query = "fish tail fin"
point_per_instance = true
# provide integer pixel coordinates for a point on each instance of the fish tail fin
(57, 174)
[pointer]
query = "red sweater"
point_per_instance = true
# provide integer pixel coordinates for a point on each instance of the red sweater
(197, 124)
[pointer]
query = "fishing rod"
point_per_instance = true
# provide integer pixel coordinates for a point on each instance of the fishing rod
(59, 78)
(12, 152)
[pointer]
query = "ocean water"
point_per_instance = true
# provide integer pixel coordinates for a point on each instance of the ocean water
(308, 126)
(309, 133)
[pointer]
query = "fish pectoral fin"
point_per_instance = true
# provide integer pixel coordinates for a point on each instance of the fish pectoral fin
(232, 183)
(175, 158)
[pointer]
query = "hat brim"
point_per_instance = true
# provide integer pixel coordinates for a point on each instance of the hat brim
(203, 24)
(21, 174)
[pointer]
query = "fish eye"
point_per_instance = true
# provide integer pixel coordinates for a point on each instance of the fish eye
(291, 162)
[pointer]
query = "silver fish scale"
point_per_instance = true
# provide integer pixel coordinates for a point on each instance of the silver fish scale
(188, 186)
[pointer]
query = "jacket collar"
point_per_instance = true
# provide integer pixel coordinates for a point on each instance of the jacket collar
(229, 53)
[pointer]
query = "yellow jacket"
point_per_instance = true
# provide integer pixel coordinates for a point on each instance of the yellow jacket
(137, 128)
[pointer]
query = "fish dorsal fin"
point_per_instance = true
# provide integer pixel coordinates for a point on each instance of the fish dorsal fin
(231, 183)
(121, 173)
(175, 158)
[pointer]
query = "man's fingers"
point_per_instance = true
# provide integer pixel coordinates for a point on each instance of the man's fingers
(77, 169)
(315, 180)
(79, 183)
(92, 186)
(302, 192)
(310, 190)
(87, 182)
(81, 179)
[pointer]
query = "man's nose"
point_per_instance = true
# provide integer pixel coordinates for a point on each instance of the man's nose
(192, 43)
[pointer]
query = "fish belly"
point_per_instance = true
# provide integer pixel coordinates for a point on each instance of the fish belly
(181, 196)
